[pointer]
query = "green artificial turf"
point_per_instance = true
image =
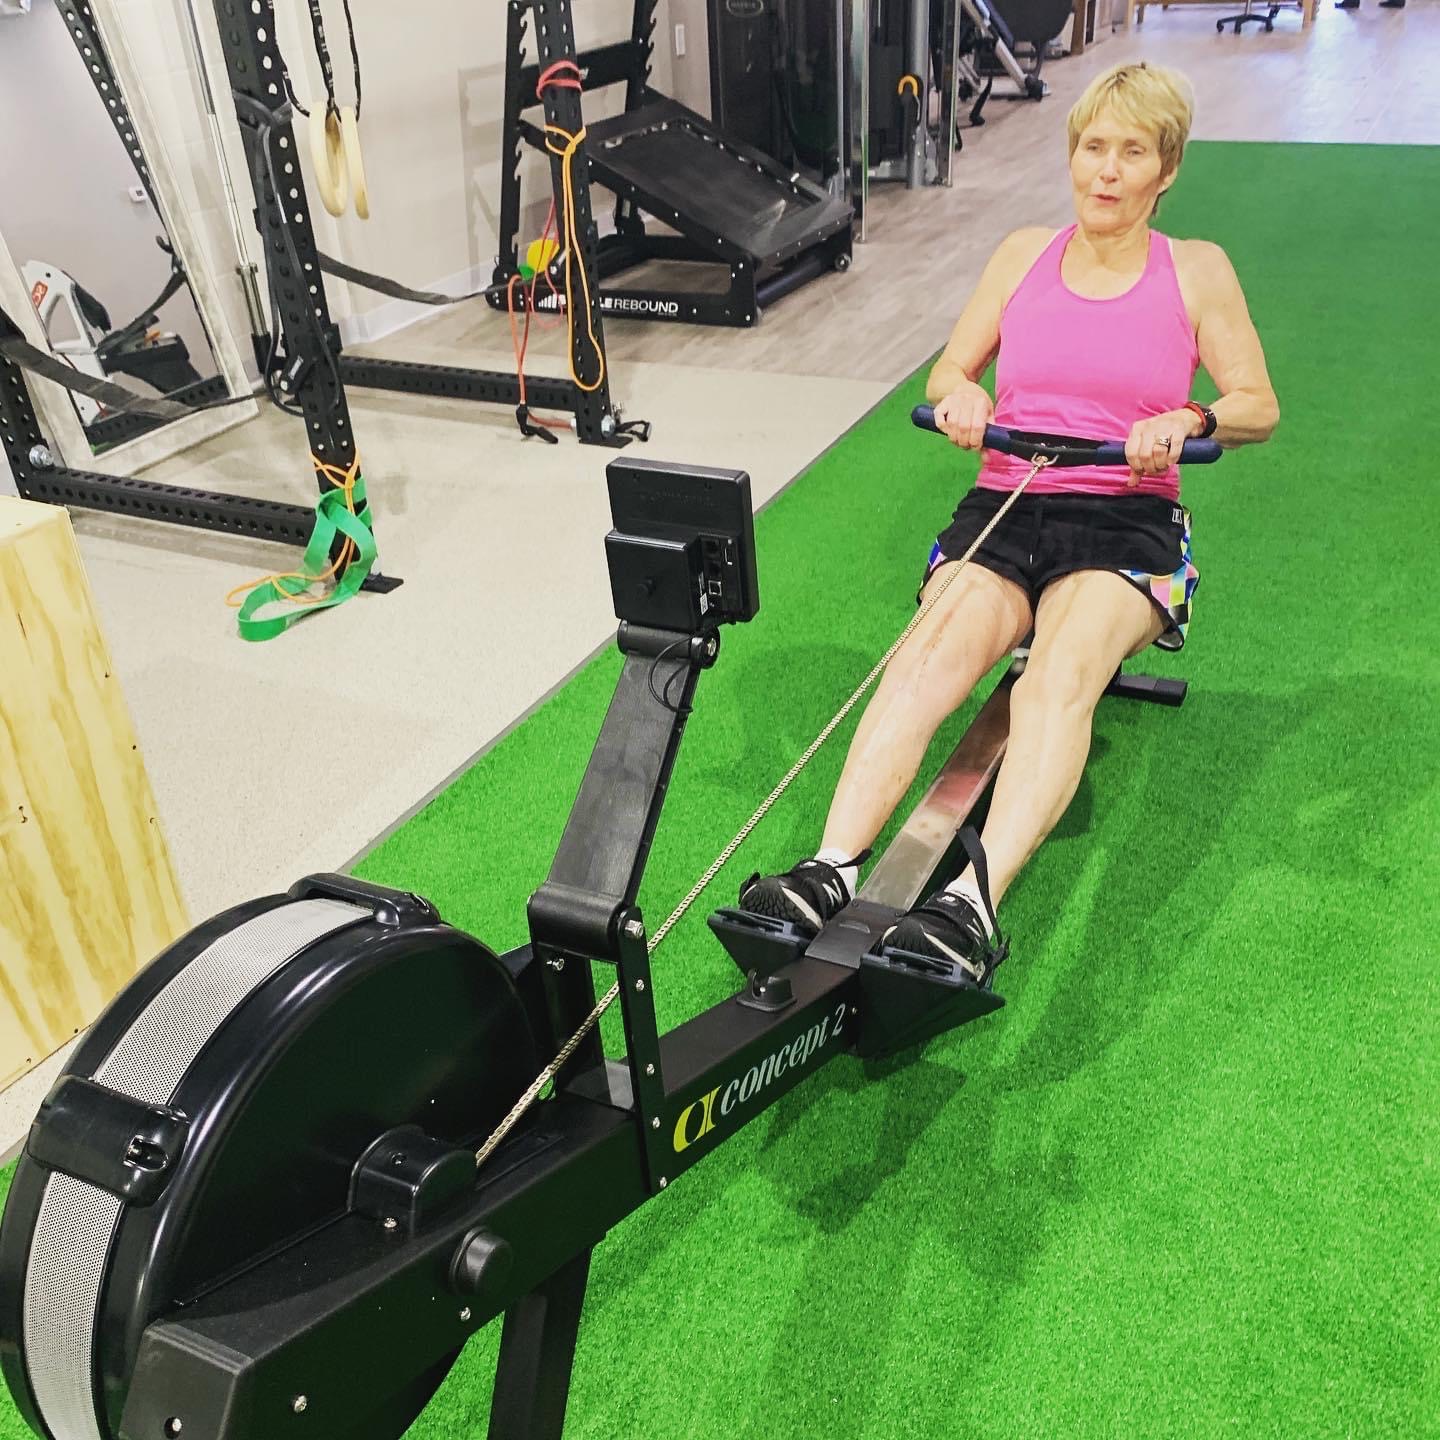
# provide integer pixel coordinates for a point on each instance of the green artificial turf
(1185, 1183)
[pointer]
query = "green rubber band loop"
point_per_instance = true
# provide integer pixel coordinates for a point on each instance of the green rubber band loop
(332, 517)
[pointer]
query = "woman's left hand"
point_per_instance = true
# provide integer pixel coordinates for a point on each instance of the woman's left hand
(1154, 444)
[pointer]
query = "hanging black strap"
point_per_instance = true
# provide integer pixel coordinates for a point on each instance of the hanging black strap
(383, 286)
(118, 339)
(975, 852)
(322, 50)
(322, 53)
(354, 54)
(117, 398)
(284, 68)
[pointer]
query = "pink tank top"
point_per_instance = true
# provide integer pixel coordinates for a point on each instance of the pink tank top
(1090, 368)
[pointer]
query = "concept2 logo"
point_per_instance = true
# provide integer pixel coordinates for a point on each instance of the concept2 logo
(698, 1118)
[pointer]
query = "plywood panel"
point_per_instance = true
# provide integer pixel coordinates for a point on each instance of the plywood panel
(87, 890)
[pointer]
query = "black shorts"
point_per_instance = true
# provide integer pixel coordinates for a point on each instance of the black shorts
(1144, 538)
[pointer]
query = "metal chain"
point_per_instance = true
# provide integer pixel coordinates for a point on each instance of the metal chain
(1038, 464)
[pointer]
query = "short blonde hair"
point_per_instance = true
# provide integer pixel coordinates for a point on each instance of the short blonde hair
(1153, 97)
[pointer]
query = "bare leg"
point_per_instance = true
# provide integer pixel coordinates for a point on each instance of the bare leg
(1085, 625)
(980, 617)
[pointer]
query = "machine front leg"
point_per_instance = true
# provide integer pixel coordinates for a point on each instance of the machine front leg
(537, 1351)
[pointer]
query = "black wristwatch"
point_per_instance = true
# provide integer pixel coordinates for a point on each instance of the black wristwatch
(1206, 414)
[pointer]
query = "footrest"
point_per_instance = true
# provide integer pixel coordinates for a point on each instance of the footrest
(758, 944)
(906, 998)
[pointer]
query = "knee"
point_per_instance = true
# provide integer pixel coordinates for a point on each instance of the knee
(918, 691)
(1057, 686)
(934, 685)
(919, 668)
(913, 698)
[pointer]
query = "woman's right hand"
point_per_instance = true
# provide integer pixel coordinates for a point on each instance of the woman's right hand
(963, 415)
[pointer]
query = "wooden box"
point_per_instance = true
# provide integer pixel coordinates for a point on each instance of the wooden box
(88, 893)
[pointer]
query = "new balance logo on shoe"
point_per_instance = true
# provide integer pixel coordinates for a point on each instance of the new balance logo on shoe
(804, 907)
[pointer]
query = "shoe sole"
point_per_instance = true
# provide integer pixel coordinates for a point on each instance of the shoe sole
(916, 938)
(912, 936)
(787, 905)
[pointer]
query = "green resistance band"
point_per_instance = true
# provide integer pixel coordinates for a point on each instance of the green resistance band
(332, 516)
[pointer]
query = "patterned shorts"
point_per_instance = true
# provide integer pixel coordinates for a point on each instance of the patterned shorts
(1145, 538)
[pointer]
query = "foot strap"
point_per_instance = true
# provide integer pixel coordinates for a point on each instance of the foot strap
(975, 852)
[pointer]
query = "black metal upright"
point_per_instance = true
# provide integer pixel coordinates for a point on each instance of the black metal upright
(80, 22)
(255, 67)
(555, 42)
(642, 41)
(626, 61)
(507, 262)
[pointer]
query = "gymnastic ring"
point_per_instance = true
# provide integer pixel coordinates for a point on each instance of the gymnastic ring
(327, 158)
(354, 161)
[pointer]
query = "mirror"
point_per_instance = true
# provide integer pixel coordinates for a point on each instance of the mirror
(90, 246)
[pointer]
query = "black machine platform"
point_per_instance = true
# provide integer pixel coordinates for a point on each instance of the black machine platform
(730, 205)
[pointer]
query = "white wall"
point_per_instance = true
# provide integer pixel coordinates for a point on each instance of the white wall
(691, 71)
(64, 178)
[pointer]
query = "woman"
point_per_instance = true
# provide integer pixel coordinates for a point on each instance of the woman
(1098, 329)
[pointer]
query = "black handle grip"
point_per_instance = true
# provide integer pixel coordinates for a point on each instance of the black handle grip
(1067, 449)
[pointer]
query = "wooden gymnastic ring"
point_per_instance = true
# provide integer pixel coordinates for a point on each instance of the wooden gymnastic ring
(354, 162)
(327, 158)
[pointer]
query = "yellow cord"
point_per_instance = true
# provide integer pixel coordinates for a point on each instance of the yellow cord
(572, 248)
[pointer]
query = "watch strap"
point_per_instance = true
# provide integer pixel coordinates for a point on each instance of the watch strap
(1207, 417)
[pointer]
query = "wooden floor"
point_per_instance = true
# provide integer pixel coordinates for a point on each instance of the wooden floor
(499, 539)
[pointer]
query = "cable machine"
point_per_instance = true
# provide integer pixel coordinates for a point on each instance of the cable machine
(856, 92)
